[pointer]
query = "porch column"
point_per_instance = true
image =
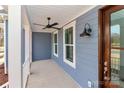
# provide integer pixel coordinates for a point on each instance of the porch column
(14, 46)
(5, 26)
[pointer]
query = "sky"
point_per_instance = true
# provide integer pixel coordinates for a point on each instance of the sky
(115, 29)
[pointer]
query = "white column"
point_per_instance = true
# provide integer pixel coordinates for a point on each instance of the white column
(5, 31)
(14, 46)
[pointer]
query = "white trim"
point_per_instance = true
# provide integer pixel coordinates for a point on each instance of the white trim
(56, 32)
(69, 45)
(5, 65)
(44, 31)
(72, 64)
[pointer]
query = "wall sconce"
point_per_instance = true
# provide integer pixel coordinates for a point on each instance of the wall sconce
(87, 30)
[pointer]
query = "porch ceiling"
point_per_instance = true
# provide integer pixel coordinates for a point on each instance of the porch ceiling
(59, 13)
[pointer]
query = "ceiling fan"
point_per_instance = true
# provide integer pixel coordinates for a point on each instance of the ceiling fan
(49, 25)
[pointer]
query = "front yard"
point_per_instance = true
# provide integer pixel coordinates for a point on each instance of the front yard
(3, 77)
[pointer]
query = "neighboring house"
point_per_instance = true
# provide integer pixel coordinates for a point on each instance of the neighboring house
(81, 47)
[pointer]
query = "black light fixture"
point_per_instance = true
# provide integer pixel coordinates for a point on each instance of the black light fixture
(87, 30)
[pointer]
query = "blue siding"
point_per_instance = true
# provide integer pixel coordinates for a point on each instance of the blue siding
(86, 51)
(41, 46)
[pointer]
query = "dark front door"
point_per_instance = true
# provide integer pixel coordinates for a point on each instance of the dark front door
(111, 46)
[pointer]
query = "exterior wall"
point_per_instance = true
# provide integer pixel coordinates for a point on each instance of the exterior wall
(86, 51)
(26, 61)
(25, 54)
(26, 30)
(41, 46)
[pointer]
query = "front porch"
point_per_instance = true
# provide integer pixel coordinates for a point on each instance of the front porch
(47, 74)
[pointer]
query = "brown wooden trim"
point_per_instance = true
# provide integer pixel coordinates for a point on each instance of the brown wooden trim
(104, 31)
(107, 43)
(119, 48)
(101, 40)
(100, 46)
(114, 8)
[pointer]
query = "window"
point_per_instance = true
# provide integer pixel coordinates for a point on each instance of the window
(69, 44)
(55, 43)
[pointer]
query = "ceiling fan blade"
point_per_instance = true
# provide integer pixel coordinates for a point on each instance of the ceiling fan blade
(53, 24)
(38, 24)
(56, 28)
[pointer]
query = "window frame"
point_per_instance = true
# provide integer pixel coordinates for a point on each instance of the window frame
(72, 64)
(55, 54)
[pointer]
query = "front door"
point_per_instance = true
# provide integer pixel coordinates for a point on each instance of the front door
(111, 40)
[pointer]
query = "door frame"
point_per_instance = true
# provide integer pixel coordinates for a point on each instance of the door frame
(100, 43)
(101, 38)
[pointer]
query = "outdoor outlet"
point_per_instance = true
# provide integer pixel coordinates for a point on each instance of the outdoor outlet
(89, 84)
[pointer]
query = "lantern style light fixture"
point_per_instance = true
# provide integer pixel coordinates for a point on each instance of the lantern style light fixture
(87, 30)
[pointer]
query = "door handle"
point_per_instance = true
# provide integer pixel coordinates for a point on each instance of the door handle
(105, 64)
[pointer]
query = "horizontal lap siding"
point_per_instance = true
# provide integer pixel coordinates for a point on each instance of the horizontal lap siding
(41, 46)
(86, 51)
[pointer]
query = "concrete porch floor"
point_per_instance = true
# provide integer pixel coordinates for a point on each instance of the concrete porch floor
(47, 74)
